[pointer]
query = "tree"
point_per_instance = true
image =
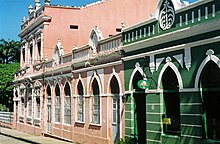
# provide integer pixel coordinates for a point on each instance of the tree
(7, 72)
(9, 58)
(9, 51)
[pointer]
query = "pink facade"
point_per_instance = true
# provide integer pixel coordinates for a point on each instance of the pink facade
(71, 81)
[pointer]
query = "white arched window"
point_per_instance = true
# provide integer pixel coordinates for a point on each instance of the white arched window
(57, 103)
(80, 112)
(95, 102)
(67, 104)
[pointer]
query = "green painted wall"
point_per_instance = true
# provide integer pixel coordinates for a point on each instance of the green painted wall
(191, 108)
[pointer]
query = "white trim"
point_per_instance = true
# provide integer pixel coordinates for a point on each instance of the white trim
(155, 141)
(120, 93)
(188, 125)
(172, 36)
(173, 48)
(137, 69)
(199, 115)
(210, 57)
(198, 137)
(95, 76)
(190, 104)
(98, 66)
(153, 122)
(151, 131)
(175, 69)
(151, 113)
(76, 101)
(33, 25)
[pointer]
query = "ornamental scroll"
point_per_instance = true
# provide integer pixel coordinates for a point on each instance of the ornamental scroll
(167, 15)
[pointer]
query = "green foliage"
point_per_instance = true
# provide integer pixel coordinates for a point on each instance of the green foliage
(7, 72)
(9, 51)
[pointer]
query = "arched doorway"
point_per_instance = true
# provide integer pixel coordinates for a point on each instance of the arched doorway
(210, 84)
(115, 109)
(49, 110)
(140, 109)
(171, 102)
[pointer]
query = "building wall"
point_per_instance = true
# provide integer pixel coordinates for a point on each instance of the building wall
(188, 54)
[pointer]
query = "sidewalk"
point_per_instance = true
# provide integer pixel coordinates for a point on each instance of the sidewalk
(30, 138)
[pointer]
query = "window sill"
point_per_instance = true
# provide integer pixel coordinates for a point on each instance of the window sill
(80, 122)
(96, 125)
(170, 136)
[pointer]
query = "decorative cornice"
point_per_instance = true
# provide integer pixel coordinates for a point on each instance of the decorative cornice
(172, 36)
(34, 24)
(173, 48)
(98, 67)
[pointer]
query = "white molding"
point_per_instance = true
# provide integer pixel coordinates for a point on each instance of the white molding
(152, 64)
(98, 66)
(210, 57)
(175, 69)
(137, 69)
(155, 141)
(179, 58)
(175, 35)
(187, 58)
(33, 25)
(188, 125)
(198, 137)
(173, 48)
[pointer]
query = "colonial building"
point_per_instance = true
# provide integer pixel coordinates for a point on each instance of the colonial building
(172, 74)
(71, 80)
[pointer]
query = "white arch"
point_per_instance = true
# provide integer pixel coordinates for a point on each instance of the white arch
(174, 68)
(48, 85)
(95, 76)
(137, 69)
(119, 82)
(57, 83)
(210, 57)
(67, 82)
(37, 83)
(77, 83)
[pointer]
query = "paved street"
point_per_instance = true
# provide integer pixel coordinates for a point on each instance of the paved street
(9, 140)
(10, 136)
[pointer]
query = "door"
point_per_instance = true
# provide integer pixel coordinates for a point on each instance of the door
(210, 85)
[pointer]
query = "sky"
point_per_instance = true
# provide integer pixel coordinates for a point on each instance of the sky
(12, 12)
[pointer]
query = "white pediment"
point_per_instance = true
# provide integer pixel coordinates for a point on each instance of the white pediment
(176, 3)
(95, 37)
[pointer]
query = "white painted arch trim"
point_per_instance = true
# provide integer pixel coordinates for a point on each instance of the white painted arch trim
(120, 93)
(174, 68)
(95, 76)
(213, 58)
(65, 83)
(76, 101)
(76, 86)
(119, 82)
(51, 91)
(137, 69)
